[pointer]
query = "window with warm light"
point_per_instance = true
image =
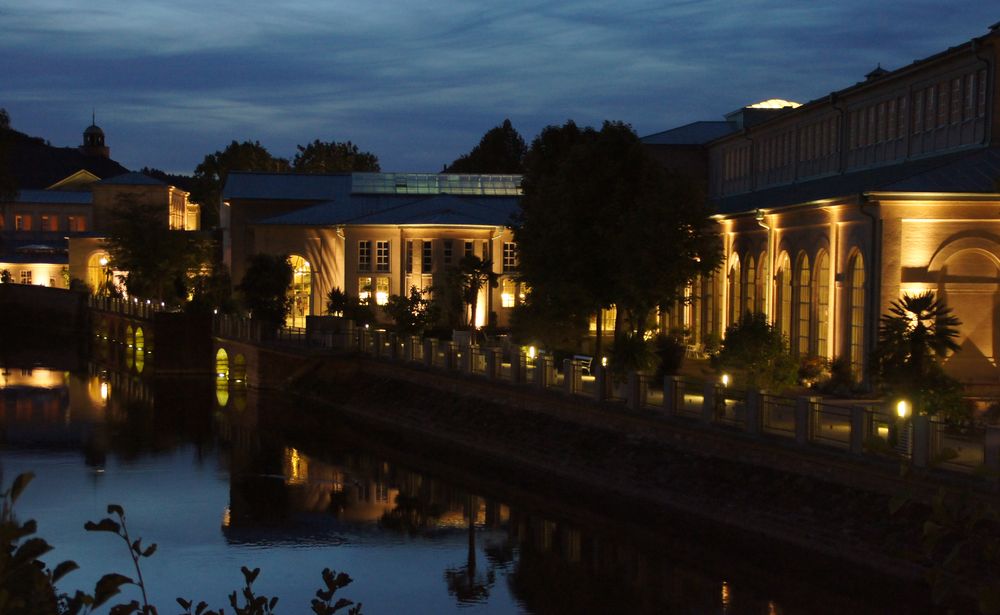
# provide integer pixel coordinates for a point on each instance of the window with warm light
(22, 223)
(508, 293)
(409, 256)
(822, 285)
(803, 291)
(25, 276)
(364, 289)
(446, 251)
(427, 257)
(382, 290)
(856, 304)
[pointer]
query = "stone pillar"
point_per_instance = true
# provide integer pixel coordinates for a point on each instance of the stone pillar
(602, 381)
(430, 349)
(378, 343)
(634, 395)
(450, 353)
(492, 363)
(671, 394)
(921, 443)
(569, 376)
(465, 359)
(754, 407)
(518, 367)
(858, 431)
(543, 371)
(803, 418)
(708, 404)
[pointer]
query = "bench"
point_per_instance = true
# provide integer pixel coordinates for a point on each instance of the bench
(585, 362)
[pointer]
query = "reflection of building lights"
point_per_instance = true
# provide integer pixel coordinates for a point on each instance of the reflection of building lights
(226, 517)
(903, 408)
(725, 595)
(883, 431)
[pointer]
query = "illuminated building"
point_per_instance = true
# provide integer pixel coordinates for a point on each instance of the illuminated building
(831, 210)
(373, 235)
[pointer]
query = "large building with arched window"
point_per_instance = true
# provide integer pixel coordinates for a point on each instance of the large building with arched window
(374, 235)
(832, 209)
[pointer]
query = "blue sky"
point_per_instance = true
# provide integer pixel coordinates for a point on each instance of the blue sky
(419, 83)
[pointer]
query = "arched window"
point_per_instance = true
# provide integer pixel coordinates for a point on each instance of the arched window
(783, 301)
(821, 282)
(735, 292)
(803, 296)
(300, 292)
(750, 303)
(856, 307)
(762, 273)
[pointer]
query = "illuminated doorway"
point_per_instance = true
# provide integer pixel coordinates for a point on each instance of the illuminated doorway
(300, 292)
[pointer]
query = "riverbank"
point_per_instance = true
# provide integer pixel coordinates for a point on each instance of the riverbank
(788, 520)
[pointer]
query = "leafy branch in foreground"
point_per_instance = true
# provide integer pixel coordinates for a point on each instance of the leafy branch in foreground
(28, 587)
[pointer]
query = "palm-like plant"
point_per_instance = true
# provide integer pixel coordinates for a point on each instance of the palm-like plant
(914, 336)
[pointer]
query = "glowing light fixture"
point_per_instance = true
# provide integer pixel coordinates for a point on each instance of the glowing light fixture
(532, 352)
(103, 261)
(903, 408)
(604, 361)
(725, 380)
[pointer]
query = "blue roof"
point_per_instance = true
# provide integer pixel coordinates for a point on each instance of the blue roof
(286, 186)
(132, 179)
(695, 133)
(441, 209)
(56, 197)
(47, 248)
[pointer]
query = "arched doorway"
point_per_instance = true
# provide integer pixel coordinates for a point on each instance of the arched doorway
(222, 365)
(300, 292)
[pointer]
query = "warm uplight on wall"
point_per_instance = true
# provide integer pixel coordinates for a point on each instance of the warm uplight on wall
(903, 408)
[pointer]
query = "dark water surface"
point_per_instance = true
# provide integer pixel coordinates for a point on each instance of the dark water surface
(211, 476)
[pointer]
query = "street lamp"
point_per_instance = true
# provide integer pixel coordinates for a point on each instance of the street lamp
(903, 408)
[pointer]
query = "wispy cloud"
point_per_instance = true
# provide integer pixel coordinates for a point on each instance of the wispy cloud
(419, 83)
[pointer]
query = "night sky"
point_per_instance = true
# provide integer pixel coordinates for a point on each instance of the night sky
(419, 83)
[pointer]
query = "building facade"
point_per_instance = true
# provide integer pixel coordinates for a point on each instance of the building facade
(373, 235)
(831, 210)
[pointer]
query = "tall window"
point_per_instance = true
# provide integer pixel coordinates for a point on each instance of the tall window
(427, 258)
(822, 286)
(508, 293)
(26, 276)
(364, 256)
(365, 289)
(509, 256)
(784, 299)
(300, 292)
(409, 256)
(751, 283)
(381, 256)
(381, 290)
(735, 294)
(856, 304)
(804, 299)
(468, 248)
(446, 251)
(22, 223)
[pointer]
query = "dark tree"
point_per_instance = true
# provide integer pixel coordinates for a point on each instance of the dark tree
(409, 312)
(8, 187)
(757, 354)
(501, 150)
(210, 176)
(333, 157)
(602, 224)
(162, 264)
(265, 287)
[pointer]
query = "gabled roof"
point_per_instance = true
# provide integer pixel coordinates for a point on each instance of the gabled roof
(132, 179)
(695, 133)
(82, 177)
(54, 197)
(443, 209)
(968, 171)
(286, 186)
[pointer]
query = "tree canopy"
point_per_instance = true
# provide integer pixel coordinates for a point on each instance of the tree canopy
(264, 287)
(8, 188)
(210, 176)
(162, 264)
(602, 223)
(501, 150)
(333, 157)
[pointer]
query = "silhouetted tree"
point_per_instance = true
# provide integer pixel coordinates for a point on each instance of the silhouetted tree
(333, 157)
(602, 223)
(501, 150)
(265, 287)
(160, 264)
(8, 187)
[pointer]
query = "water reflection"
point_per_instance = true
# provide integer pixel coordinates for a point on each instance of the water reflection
(284, 495)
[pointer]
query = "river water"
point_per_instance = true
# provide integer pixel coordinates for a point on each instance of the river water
(209, 475)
